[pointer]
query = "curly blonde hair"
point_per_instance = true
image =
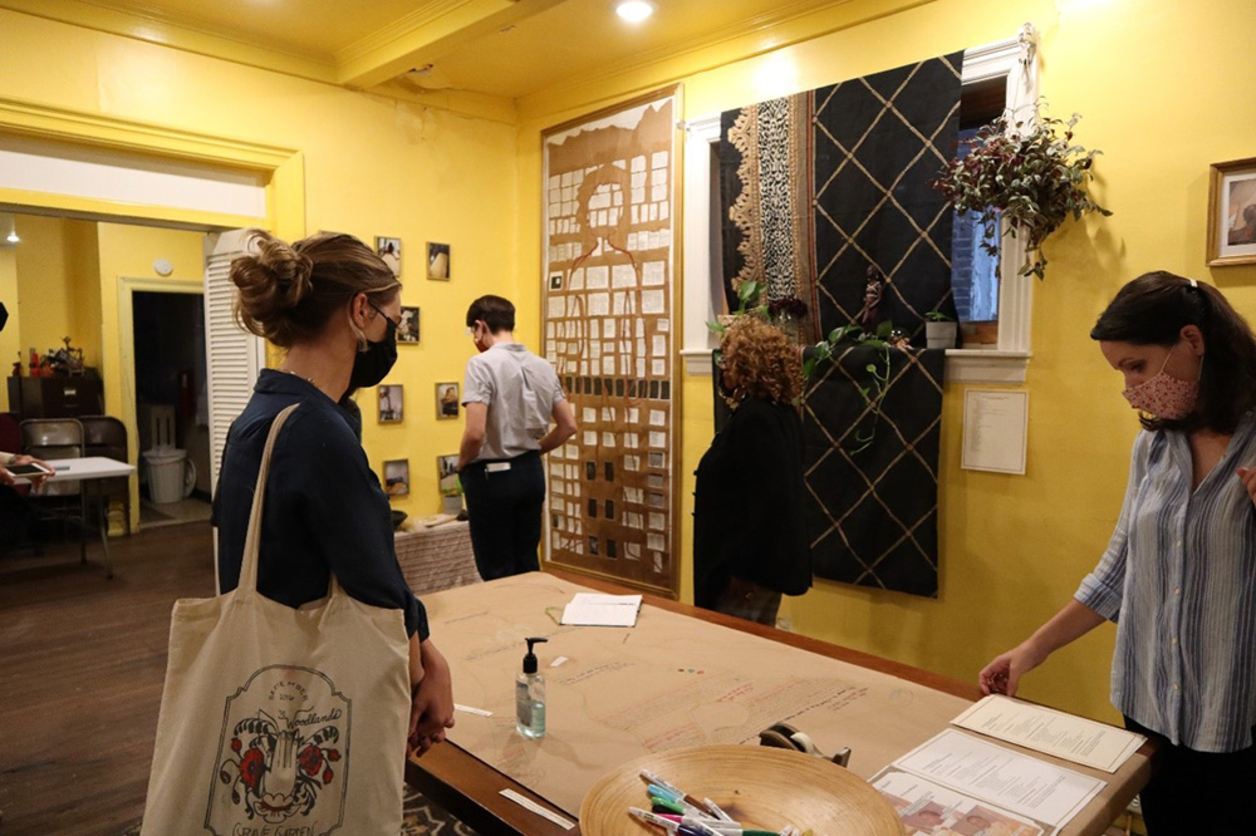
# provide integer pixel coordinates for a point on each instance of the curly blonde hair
(764, 361)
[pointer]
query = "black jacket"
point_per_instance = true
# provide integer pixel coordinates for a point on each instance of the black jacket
(325, 510)
(748, 505)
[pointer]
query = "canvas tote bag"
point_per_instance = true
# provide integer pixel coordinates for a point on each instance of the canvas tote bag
(278, 721)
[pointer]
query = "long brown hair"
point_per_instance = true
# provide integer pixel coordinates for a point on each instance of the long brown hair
(288, 293)
(1154, 308)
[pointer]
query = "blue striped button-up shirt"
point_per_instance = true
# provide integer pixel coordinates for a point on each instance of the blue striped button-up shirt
(1179, 578)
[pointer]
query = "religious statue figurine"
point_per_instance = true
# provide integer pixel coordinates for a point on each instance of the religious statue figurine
(872, 299)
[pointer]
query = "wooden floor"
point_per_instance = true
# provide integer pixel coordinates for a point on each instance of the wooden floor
(81, 666)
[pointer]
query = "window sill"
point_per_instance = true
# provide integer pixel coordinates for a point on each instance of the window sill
(968, 365)
(697, 361)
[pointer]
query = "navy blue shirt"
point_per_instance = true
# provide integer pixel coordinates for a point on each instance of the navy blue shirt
(325, 510)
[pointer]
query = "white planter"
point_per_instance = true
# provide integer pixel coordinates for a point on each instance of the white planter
(941, 334)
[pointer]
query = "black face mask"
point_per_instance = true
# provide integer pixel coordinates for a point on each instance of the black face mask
(372, 366)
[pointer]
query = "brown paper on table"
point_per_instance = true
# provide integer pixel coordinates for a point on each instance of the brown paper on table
(670, 682)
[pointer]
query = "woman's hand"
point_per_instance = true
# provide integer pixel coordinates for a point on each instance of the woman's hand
(432, 706)
(1247, 476)
(37, 480)
(1002, 675)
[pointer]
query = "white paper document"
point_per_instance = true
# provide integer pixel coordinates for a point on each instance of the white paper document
(596, 610)
(995, 430)
(928, 808)
(1072, 738)
(1019, 783)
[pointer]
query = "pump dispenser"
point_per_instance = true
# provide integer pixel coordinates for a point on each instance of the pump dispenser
(530, 696)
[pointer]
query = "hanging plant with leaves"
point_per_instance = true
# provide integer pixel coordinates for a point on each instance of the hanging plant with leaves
(878, 382)
(1031, 175)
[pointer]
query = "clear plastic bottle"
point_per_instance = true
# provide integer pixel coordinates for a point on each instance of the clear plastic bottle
(530, 697)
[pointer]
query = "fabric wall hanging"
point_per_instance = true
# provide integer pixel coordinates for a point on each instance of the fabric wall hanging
(817, 188)
(609, 310)
(872, 469)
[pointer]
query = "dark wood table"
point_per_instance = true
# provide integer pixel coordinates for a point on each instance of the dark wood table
(470, 789)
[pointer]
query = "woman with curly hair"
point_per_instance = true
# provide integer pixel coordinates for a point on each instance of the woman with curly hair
(750, 545)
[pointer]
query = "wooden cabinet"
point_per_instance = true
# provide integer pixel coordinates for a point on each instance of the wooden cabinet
(56, 397)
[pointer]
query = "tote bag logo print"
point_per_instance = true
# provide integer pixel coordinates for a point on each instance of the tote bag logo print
(283, 756)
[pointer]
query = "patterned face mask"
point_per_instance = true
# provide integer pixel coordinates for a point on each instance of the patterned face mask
(1164, 395)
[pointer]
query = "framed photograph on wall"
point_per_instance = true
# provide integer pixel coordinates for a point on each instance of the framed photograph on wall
(446, 400)
(408, 332)
(397, 477)
(1232, 213)
(389, 249)
(391, 403)
(447, 475)
(438, 261)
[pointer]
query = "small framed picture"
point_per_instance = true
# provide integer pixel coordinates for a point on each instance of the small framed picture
(1232, 213)
(408, 332)
(397, 477)
(446, 400)
(447, 474)
(389, 249)
(438, 261)
(391, 403)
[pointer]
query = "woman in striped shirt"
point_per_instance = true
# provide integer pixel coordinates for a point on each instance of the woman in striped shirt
(1179, 574)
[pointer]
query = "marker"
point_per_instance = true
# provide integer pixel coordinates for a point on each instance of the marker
(715, 808)
(676, 791)
(667, 804)
(679, 799)
(724, 828)
(650, 818)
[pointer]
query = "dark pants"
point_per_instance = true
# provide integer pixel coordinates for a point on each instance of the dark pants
(504, 512)
(1194, 792)
(749, 600)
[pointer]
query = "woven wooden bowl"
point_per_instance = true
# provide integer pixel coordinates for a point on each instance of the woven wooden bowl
(764, 789)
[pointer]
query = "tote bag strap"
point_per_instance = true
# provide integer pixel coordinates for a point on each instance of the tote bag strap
(252, 541)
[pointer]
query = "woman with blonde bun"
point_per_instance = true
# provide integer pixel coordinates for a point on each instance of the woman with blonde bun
(334, 306)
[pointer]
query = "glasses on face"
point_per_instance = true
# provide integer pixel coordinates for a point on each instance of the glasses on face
(396, 322)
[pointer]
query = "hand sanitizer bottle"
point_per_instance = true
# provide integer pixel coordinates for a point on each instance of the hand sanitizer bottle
(530, 697)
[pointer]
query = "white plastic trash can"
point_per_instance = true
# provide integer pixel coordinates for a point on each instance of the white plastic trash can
(171, 474)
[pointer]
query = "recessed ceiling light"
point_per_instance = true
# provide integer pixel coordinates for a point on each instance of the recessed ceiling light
(634, 11)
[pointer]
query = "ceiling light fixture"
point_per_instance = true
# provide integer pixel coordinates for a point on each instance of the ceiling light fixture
(634, 11)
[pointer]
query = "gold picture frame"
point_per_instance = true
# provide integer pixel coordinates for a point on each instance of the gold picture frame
(1232, 213)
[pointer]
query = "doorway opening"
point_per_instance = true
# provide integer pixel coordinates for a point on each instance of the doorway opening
(171, 406)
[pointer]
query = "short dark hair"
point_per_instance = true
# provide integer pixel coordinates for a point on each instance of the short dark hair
(494, 311)
(1154, 308)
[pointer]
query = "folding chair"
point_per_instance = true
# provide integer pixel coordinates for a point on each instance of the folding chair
(51, 439)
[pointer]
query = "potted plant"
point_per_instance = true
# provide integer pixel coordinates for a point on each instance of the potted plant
(940, 330)
(1030, 174)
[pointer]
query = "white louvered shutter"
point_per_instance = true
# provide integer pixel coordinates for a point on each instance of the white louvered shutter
(235, 357)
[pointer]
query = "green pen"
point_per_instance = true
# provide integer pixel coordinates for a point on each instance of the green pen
(667, 804)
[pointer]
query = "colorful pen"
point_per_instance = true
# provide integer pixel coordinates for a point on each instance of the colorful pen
(676, 791)
(725, 828)
(715, 808)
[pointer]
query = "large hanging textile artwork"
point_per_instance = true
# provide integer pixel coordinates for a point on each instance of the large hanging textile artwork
(609, 316)
(827, 204)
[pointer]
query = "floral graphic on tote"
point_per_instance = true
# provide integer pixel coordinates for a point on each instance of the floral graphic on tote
(281, 758)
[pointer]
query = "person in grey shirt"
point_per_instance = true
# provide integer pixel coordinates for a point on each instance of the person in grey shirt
(511, 396)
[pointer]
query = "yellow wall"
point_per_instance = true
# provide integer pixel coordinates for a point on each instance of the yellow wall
(10, 337)
(1154, 81)
(57, 293)
(373, 166)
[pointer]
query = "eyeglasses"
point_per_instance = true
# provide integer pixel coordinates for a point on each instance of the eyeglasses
(396, 322)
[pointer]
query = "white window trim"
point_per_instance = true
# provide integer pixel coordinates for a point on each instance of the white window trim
(1006, 364)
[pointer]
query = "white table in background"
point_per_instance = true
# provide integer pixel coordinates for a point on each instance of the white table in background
(88, 469)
